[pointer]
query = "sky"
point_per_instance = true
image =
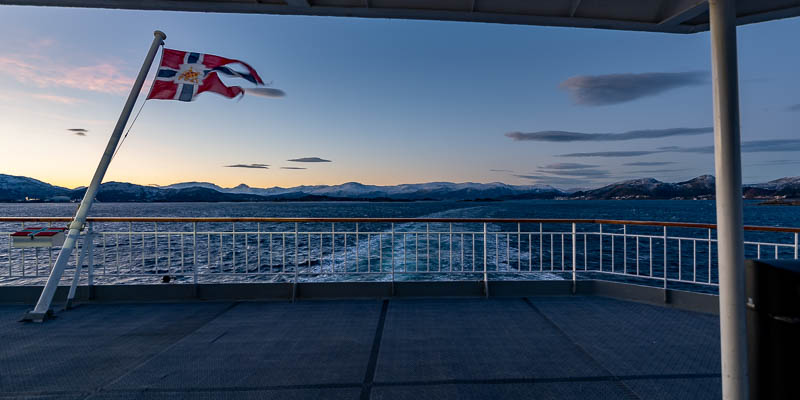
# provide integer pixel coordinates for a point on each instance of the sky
(388, 101)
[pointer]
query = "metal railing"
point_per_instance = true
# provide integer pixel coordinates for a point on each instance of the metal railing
(196, 250)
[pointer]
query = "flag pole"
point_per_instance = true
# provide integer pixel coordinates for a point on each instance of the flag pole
(42, 309)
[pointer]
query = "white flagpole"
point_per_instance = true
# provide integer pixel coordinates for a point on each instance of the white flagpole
(42, 309)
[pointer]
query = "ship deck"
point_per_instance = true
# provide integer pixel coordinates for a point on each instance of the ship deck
(444, 348)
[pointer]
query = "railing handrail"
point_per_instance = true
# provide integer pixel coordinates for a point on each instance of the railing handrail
(399, 220)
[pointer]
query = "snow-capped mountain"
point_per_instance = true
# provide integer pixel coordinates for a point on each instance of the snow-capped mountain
(417, 191)
(18, 188)
(649, 188)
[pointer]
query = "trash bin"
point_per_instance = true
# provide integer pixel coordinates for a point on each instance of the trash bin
(773, 328)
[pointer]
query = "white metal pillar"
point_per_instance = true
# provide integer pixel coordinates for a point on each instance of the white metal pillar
(42, 309)
(728, 165)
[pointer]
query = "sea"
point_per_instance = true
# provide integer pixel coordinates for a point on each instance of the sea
(701, 211)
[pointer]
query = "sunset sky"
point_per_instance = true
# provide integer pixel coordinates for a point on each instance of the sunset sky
(388, 101)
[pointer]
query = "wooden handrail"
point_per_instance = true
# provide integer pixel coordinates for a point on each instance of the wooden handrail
(399, 220)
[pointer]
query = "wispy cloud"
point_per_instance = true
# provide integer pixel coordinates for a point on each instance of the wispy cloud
(555, 181)
(37, 70)
(599, 90)
(660, 171)
(293, 168)
(256, 166)
(583, 173)
(560, 166)
(57, 99)
(776, 162)
(500, 170)
(309, 159)
(78, 131)
(753, 146)
(648, 163)
(611, 154)
(794, 107)
(565, 136)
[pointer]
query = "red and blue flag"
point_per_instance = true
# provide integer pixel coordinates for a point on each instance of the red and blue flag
(183, 75)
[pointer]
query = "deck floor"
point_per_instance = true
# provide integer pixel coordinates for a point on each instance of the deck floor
(519, 348)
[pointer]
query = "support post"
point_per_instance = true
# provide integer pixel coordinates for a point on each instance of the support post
(89, 243)
(297, 264)
(392, 249)
(666, 298)
(728, 165)
(574, 258)
(78, 264)
(42, 309)
(485, 260)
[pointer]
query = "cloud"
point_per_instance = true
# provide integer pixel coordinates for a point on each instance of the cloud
(501, 170)
(585, 173)
(753, 146)
(104, 77)
(565, 136)
(599, 90)
(582, 173)
(257, 166)
(659, 171)
(57, 99)
(794, 107)
(309, 159)
(293, 168)
(567, 166)
(776, 162)
(78, 131)
(265, 92)
(555, 181)
(648, 163)
(611, 154)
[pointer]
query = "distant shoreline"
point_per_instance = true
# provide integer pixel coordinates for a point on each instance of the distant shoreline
(761, 202)
(20, 189)
(780, 202)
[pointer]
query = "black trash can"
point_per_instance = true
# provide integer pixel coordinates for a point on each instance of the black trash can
(773, 328)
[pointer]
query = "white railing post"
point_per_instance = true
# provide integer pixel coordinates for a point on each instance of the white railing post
(391, 248)
(89, 243)
(574, 256)
(601, 247)
(796, 245)
(485, 260)
(450, 246)
(665, 263)
(155, 245)
(624, 249)
(78, 262)
(357, 249)
(709, 255)
(296, 263)
(194, 252)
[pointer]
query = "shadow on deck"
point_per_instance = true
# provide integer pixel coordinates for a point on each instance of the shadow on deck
(500, 348)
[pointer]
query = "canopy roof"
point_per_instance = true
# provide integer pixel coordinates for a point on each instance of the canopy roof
(674, 16)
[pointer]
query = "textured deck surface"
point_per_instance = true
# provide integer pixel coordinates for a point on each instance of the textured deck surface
(540, 347)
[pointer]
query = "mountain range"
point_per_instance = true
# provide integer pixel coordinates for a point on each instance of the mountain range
(21, 189)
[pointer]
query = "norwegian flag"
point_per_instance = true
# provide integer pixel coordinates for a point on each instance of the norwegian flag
(183, 75)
